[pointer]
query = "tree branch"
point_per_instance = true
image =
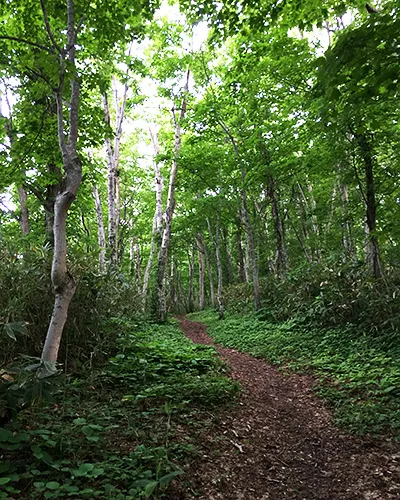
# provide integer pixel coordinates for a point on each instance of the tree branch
(27, 42)
(48, 27)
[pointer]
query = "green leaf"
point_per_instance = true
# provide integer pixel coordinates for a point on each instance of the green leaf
(4, 480)
(52, 485)
(169, 477)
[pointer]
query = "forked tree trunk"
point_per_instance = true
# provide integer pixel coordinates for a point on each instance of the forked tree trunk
(201, 260)
(24, 214)
(63, 283)
(169, 211)
(101, 236)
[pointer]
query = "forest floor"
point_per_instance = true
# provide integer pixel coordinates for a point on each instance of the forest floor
(279, 442)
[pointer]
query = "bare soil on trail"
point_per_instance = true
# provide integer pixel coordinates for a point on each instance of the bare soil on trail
(279, 442)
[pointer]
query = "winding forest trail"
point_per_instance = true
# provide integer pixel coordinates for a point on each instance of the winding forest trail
(279, 442)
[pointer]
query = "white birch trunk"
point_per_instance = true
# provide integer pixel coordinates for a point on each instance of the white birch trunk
(169, 211)
(157, 220)
(63, 283)
(113, 152)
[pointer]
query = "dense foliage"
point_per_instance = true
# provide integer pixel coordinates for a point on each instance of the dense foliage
(170, 157)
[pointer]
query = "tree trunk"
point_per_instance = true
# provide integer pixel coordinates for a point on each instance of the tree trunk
(347, 240)
(101, 237)
(157, 220)
(113, 151)
(210, 276)
(191, 254)
(240, 260)
(63, 283)
(24, 215)
(281, 260)
(215, 239)
(251, 246)
(229, 265)
(372, 245)
(201, 258)
(169, 211)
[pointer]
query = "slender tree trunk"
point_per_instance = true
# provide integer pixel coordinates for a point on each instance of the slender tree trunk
(281, 260)
(210, 276)
(24, 215)
(240, 260)
(252, 249)
(201, 260)
(113, 151)
(372, 245)
(101, 236)
(157, 220)
(191, 258)
(169, 211)
(347, 240)
(215, 238)
(63, 283)
(229, 265)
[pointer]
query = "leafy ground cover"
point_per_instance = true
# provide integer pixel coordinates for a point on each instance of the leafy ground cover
(124, 431)
(359, 375)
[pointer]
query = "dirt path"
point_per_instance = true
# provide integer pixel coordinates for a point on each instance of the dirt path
(280, 442)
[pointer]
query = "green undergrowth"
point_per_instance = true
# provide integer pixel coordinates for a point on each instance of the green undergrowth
(359, 375)
(124, 431)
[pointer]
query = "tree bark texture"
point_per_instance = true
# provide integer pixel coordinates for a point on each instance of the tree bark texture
(215, 238)
(170, 207)
(210, 275)
(157, 220)
(113, 151)
(281, 259)
(24, 214)
(63, 283)
(201, 261)
(372, 244)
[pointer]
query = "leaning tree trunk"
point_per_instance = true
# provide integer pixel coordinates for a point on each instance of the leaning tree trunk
(63, 283)
(169, 211)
